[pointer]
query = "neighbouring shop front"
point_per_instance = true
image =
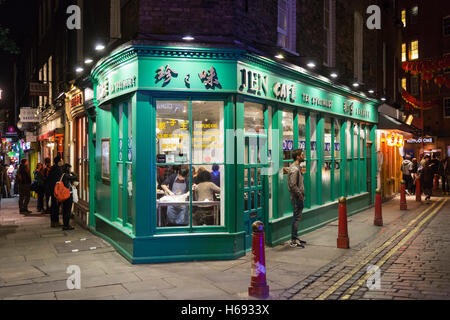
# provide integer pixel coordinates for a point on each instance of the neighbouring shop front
(227, 122)
(51, 136)
(78, 149)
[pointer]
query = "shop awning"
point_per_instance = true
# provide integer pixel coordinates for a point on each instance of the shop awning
(388, 123)
(50, 134)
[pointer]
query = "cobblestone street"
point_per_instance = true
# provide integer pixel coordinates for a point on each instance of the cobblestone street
(414, 260)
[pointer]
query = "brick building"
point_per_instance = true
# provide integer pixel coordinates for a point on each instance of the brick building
(426, 37)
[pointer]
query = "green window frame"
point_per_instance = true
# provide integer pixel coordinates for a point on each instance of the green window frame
(190, 228)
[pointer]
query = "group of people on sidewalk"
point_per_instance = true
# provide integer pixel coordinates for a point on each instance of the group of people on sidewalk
(45, 179)
(425, 171)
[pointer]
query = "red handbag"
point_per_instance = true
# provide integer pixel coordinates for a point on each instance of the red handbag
(61, 192)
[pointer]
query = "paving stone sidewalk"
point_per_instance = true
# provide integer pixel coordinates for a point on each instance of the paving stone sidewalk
(34, 259)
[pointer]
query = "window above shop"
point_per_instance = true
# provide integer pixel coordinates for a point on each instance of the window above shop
(447, 107)
(287, 25)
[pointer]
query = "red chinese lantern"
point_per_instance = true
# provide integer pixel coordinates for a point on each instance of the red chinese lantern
(427, 76)
(405, 65)
(440, 80)
(447, 83)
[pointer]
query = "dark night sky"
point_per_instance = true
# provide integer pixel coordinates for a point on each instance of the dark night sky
(16, 16)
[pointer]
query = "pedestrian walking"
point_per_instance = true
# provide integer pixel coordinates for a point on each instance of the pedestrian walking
(428, 174)
(297, 194)
(415, 167)
(23, 180)
(39, 181)
(446, 175)
(68, 178)
(5, 182)
(441, 173)
(407, 167)
(47, 190)
(54, 176)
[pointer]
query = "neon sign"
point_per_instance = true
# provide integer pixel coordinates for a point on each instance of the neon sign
(395, 140)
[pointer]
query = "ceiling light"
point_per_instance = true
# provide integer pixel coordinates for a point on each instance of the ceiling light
(334, 75)
(311, 65)
(79, 69)
(99, 47)
(383, 99)
(188, 38)
(88, 61)
(356, 84)
(279, 56)
(371, 91)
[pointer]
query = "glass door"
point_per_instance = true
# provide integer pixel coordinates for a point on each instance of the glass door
(255, 160)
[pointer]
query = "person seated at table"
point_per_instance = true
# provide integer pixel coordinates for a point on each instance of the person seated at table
(204, 191)
(177, 184)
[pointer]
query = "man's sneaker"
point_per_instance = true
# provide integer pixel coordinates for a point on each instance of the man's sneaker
(295, 244)
(301, 241)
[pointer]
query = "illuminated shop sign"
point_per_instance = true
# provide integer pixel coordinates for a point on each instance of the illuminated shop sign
(395, 140)
(107, 88)
(293, 92)
(419, 140)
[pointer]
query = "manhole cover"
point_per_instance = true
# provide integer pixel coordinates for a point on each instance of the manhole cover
(74, 246)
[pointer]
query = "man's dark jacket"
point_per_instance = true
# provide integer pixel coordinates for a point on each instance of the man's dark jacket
(53, 177)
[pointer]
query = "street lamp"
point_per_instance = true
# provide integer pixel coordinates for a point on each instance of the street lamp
(1, 91)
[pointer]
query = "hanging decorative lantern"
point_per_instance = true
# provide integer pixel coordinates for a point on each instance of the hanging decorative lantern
(427, 76)
(439, 80)
(447, 83)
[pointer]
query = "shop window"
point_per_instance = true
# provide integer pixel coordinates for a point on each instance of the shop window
(327, 163)
(302, 131)
(125, 196)
(190, 163)
(355, 182)
(362, 145)
(253, 118)
(288, 137)
(337, 157)
(313, 163)
(82, 157)
(348, 169)
(404, 83)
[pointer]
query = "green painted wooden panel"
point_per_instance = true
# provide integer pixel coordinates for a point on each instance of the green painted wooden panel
(102, 190)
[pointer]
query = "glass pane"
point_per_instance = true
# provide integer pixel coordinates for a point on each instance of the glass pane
(355, 140)
(313, 175)
(172, 205)
(207, 132)
(120, 194)
(208, 197)
(348, 139)
(288, 134)
(327, 138)
(313, 133)
(172, 132)
(337, 179)
(130, 194)
(301, 131)
(361, 143)
(337, 139)
(326, 181)
(253, 117)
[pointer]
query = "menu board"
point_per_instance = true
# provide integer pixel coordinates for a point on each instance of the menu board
(106, 160)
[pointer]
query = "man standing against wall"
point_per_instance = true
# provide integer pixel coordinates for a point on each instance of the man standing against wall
(297, 191)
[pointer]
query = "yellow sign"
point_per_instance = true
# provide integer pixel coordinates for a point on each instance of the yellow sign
(395, 140)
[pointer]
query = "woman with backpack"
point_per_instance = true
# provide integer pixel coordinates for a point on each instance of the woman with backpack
(69, 180)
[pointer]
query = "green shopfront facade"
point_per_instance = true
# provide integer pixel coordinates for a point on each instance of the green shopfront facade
(162, 110)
